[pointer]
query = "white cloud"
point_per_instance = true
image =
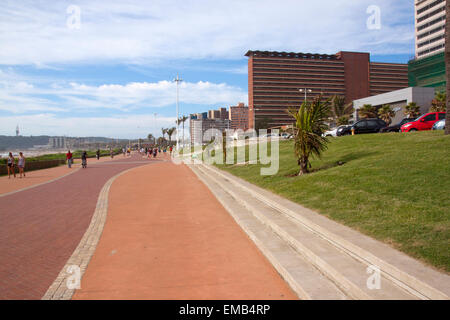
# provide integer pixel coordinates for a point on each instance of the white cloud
(148, 32)
(128, 126)
(21, 96)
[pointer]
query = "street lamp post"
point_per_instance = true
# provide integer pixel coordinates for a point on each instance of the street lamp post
(177, 80)
(306, 91)
(154, 123)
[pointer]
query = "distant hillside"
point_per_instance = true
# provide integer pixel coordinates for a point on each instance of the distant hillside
(12, 142)
(23, 142)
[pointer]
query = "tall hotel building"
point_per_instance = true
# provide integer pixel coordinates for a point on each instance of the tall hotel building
(275, 78)
(428, 67)
(430, 27)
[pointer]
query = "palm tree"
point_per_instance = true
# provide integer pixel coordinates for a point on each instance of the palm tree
(150, 137)
(161, 141)
(368, 111)
(341, 121)
(164, 131)
(309, 125)
(447, 65)
(386, 113)
(182, 120)
(340, 110)
(170, 132)
(438, 103)
(412, 110)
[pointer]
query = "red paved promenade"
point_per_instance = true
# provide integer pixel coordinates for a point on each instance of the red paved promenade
(167, 237)
(40, 227)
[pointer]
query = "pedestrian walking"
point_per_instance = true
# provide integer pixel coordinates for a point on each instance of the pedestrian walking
(155, 152)
(11, 162)
(170, 149)
(84, 159)
(97, 154)
(69, 158)
(111, 153)
(21, 165)
(124, 151)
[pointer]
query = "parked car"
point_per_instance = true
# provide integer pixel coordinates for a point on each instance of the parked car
(332, 132)
(397, 127)
(269, 136)
(424, 122)
(440, 125)
(363, 126)
(340, 131)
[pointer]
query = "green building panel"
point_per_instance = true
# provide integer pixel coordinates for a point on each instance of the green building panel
(428, 72)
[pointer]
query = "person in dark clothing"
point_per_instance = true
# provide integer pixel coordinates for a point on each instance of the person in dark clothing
(84, 159)
(11, 165)
(98, 154)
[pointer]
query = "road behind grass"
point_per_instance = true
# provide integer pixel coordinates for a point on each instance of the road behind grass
(394, 187)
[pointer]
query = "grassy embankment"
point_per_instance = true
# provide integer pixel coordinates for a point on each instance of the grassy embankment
(393, 187)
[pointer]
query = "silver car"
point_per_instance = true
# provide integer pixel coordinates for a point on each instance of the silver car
(440, 125)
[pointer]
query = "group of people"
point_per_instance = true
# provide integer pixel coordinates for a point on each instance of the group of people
(84, 156)
(149, 152)
(152, 151)
(126, 152)
(11, 165)
(69, 158)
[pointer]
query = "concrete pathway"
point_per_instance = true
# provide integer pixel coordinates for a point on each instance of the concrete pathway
(167, 237)
(40, 227)
(318, 257)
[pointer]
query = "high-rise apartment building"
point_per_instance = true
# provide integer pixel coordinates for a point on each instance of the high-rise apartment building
(430, 27)
(276, 78)
(222, 113)
(199, 128)
(238, 116)
(213, 114)
(428, 67)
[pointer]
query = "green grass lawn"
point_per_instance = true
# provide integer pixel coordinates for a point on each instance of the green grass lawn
(394, 187)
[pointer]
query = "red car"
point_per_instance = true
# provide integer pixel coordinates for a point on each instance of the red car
(424, 122)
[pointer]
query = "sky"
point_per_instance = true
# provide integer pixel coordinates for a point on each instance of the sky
(106, 68)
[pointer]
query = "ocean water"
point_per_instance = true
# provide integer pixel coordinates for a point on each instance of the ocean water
(30, 153)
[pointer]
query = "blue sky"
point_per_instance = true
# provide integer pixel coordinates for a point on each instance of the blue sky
(104, 68)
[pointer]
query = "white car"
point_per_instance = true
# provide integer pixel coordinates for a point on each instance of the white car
(332, 132)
